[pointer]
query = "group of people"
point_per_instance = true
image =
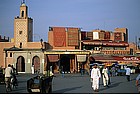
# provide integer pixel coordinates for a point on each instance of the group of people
(96, 75)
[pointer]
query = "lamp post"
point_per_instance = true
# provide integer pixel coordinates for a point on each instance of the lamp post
(41, 40)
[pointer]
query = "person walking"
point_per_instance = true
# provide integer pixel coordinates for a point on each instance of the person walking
(105, 76)
(137, 82)
(32, 69)
(127, 73)
(8, 75)
(15, 81)
(95, 76)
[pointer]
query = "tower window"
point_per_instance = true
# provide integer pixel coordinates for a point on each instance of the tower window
(22, 14)
(20, 32)
(20, 45)
(6, 54)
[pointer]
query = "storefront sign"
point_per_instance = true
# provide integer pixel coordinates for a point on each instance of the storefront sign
(131, 58)
(81, 58)
(127, 58)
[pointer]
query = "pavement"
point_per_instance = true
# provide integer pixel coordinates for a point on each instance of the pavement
(77, 83)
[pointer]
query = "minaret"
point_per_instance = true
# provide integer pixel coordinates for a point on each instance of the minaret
(23, 27)
(23, 10)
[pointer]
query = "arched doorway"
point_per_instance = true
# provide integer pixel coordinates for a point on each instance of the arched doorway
(20, 65)
(65, 63)
(36, 63)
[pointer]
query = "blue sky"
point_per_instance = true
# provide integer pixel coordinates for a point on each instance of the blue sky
(85, 14)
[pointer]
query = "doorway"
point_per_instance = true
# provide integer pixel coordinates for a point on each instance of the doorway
(20, 65)
(65, 63)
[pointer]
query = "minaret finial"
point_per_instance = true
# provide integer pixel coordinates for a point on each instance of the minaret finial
(22, 2)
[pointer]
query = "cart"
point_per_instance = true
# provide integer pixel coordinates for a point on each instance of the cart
(40, 84)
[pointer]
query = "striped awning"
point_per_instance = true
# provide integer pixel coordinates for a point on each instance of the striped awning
(53, 58)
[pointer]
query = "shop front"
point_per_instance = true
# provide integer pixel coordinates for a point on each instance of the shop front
(128, 60)
(67, 61)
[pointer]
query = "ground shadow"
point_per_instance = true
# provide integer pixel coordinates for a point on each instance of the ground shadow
(65, 90)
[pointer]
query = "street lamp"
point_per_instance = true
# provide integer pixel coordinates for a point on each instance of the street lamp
(41, 40)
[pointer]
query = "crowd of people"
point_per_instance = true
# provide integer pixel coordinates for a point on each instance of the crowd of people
(105, 73)
(96, 74)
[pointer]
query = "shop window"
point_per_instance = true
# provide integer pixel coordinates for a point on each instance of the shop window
(76, 47)
(131, 51)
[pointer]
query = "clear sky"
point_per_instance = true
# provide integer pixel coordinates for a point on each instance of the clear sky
(85, 14)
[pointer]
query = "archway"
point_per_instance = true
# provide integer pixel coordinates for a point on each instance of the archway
(36, 63)
(20, 65)
(65, 63)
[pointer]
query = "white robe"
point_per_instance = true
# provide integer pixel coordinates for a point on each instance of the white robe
(32, 69)
(105, 76)
(95, 75)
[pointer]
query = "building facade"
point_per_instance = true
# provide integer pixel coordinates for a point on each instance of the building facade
(21, 51)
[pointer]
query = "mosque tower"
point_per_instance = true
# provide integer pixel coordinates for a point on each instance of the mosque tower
(23, 28)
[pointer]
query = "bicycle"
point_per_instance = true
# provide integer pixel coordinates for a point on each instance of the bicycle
(8, 84)
(14, 82)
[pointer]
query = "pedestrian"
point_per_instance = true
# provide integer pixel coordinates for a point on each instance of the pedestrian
(127, 73)
(113, 71)
(137, 82)
(105, 76)
(8, 74)
(62, 71)
(15, 81)
(81, 71)
(95, 76)
(32, 69)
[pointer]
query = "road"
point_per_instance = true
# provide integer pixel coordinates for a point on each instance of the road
(75, 83)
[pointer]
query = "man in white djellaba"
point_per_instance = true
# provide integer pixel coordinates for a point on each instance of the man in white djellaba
(105, 76)
(95, 76)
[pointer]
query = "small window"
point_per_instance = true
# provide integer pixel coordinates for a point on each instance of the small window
(22, 14)
(76, 47)
(20, 45)
(10, 54)
(20, 32)
(6, 54)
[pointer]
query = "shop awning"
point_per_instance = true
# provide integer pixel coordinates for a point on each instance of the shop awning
(104, 58)
(81, 58)
(53, 58)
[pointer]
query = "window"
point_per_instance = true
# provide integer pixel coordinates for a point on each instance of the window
(22, 14)
(131, 51)
(76, 47)
(6, 54)
(20, 45)
(20, 32)
(10, 54)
